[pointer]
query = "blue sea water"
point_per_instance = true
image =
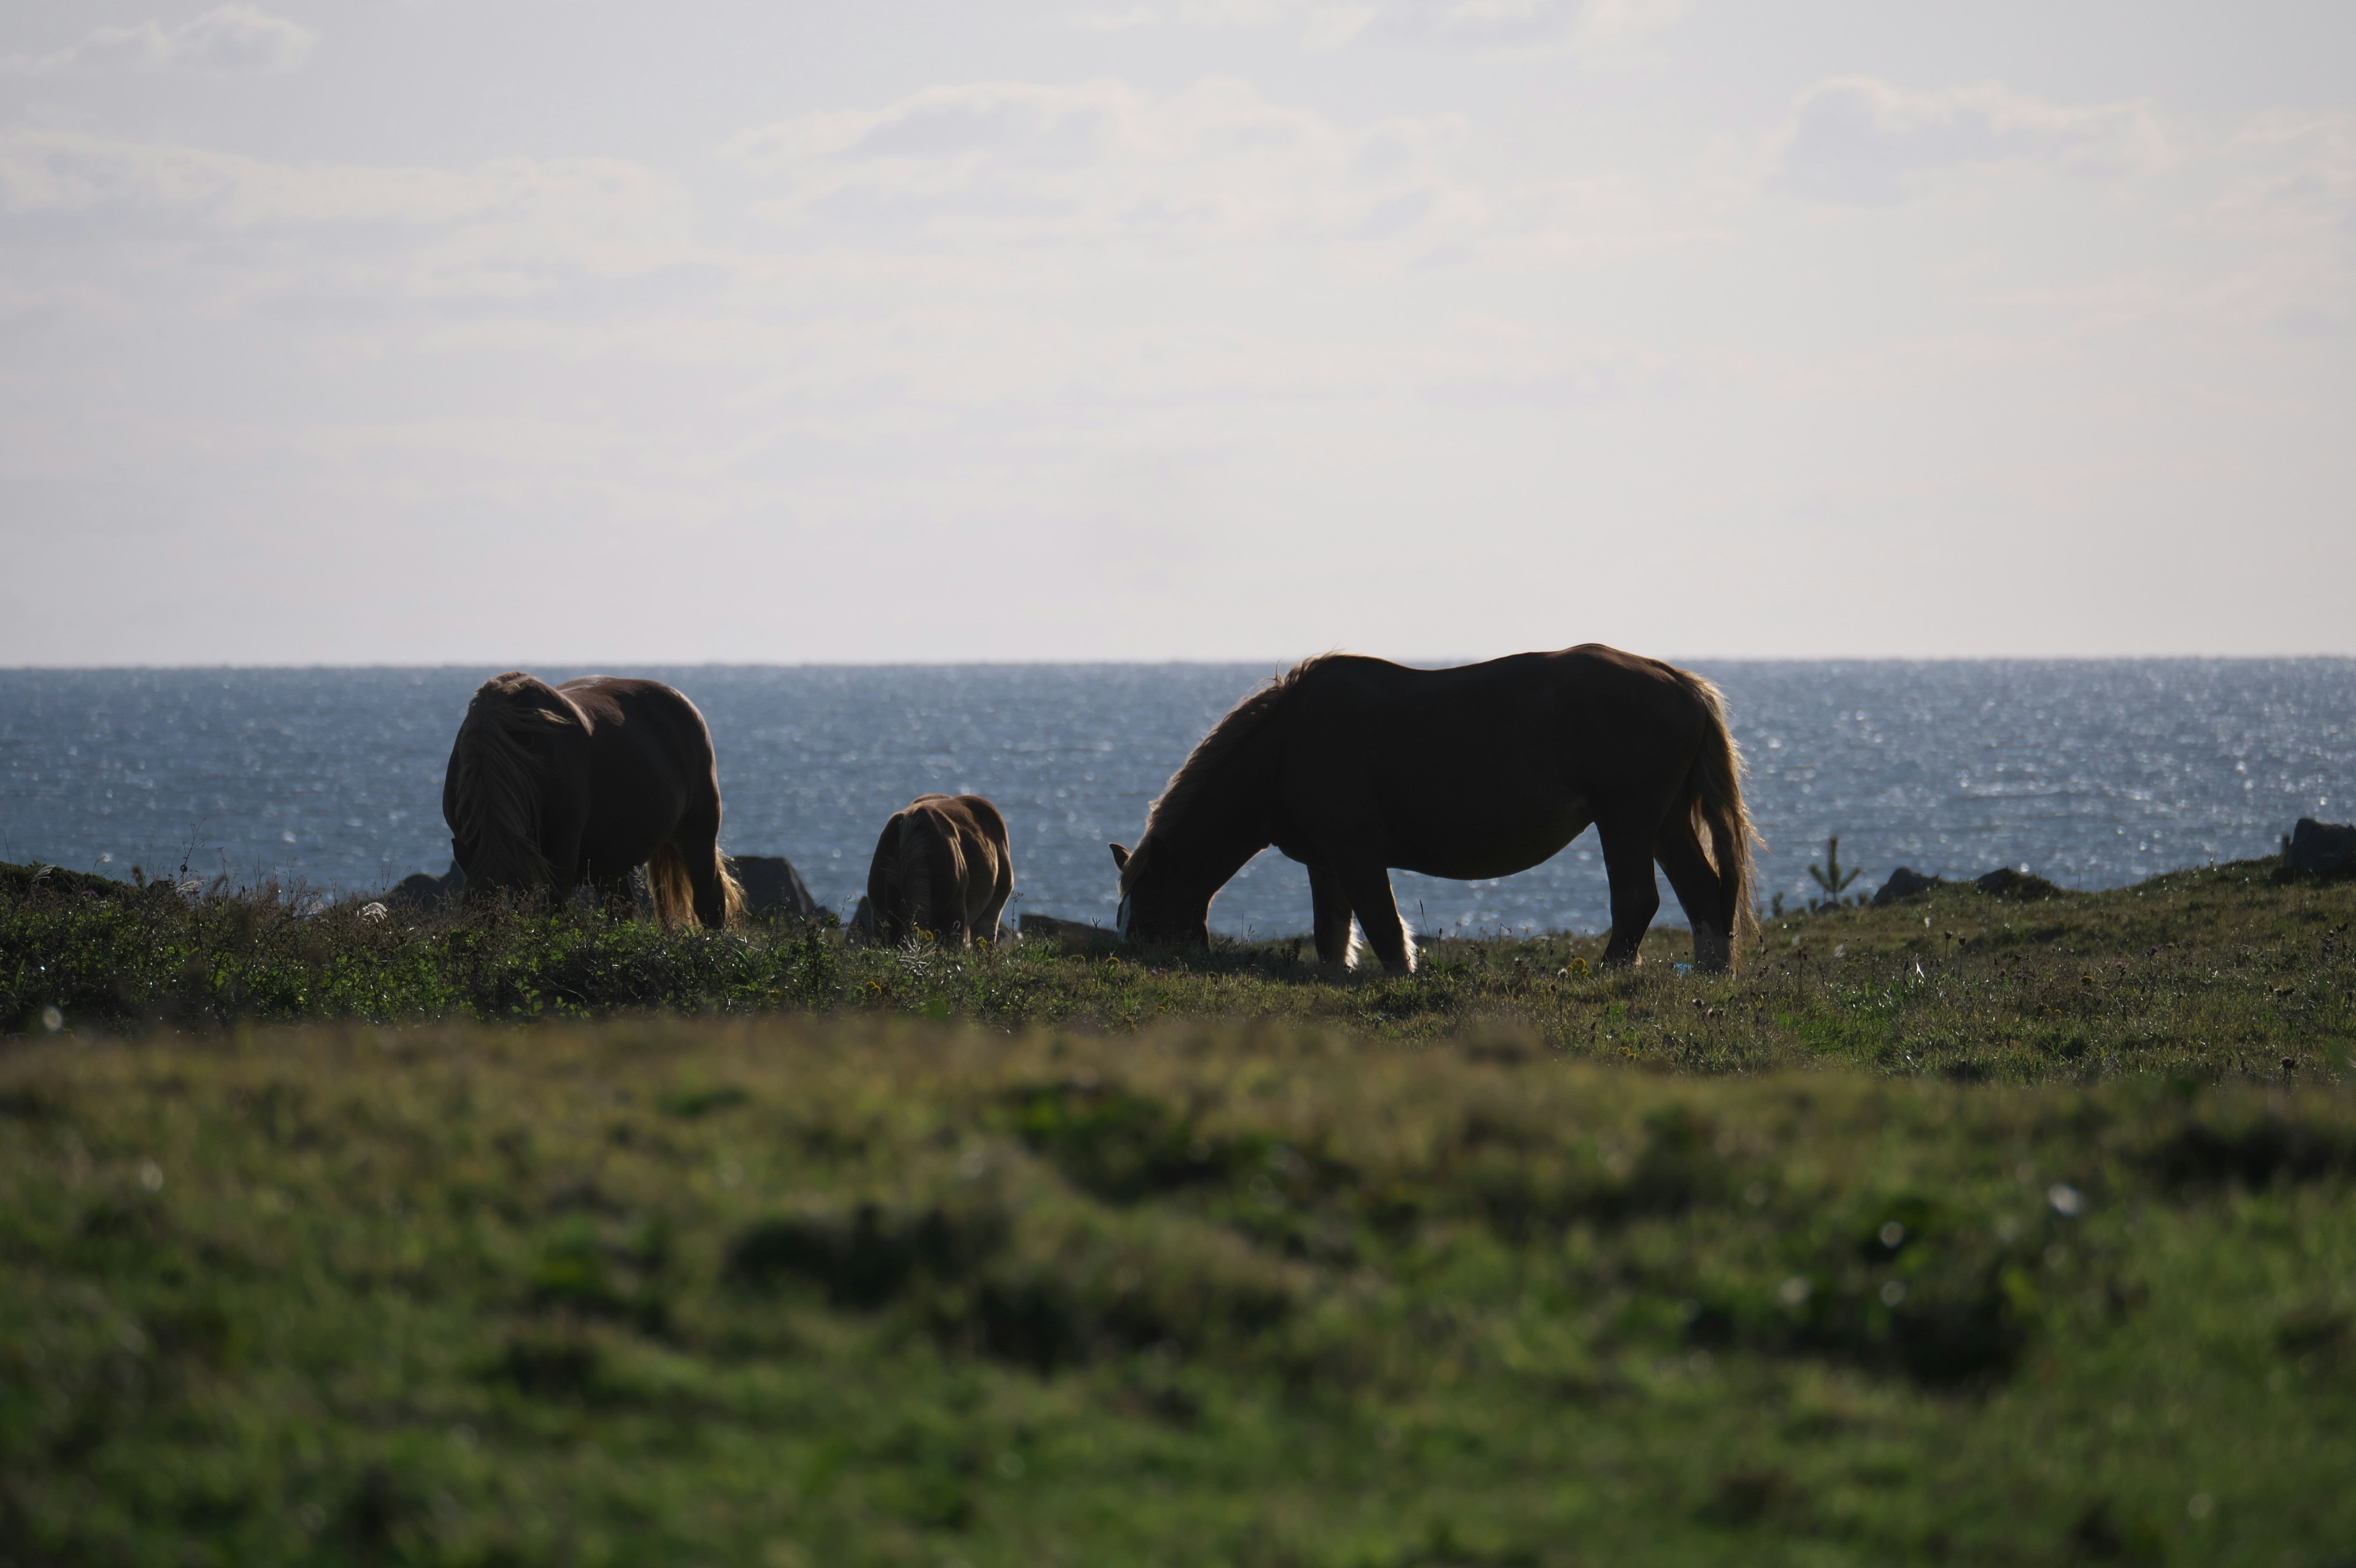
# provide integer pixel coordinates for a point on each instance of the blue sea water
(2093, 773)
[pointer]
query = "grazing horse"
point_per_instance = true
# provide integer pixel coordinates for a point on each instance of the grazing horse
(551, 788)
(1354, 765)
(942, 866)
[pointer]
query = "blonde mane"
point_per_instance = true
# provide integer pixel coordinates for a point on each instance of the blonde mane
(1226, 737)
(497, 779)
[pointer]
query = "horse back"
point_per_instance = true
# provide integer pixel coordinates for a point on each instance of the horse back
(1479, 770)
(979, 822)
(647, 744)
(1579, 707)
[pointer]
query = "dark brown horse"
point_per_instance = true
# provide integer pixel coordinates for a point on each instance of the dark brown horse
(1354, 765)
(942, 866)
(553, 787)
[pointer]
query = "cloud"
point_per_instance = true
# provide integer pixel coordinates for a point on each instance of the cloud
(1102, 160)
(1594, 27)
(1857, 140)
(2293, 174)
(235, 40)
(510, 227)
(1582, 25)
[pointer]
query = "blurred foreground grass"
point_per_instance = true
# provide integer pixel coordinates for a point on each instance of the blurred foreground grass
(1965, 1230)
(2215, 974)
(663, 1290)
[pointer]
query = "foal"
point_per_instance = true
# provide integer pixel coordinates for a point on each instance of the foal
(942, 866)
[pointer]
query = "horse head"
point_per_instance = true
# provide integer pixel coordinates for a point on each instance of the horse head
(1157, 906)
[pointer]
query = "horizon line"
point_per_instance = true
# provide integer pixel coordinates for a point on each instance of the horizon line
(1426, 661)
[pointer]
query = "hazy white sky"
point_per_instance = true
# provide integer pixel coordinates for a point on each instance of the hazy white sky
(517, 331)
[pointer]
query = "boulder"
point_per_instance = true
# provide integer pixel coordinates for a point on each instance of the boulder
(1071, 935)
(772, 887)
(430, 895)
(1905, 884)
(26, 881)
(2321, 849)
(2020, 887)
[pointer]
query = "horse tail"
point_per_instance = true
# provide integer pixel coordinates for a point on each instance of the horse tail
(912, 880)
(886, 904)
(932, 873)
(671, 887)
(1720, 817)
(930, 868)
(732, 892)
(496, 771)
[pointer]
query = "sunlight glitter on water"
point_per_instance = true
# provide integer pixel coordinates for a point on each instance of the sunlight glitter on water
(2093, 773)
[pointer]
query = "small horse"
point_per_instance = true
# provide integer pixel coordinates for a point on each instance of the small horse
(552, 787)
(943, 866)
(1354, 765)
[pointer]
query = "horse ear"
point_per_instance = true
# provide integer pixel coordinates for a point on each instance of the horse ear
(1121, 857)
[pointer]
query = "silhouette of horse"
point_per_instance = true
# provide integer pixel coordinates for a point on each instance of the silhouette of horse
(1356, 765)
(942, 865)
(552, 787)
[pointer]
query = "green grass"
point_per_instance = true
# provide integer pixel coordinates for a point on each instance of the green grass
(669, 1291)
(2027, 1235)
(2211, 974)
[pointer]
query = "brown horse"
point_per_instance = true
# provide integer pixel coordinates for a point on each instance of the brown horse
(552, 787)
(942, 866)
(1354, 765)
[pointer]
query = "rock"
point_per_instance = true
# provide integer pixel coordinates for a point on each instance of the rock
(27, 880)
(2321, 849)
(772, 885)
(430, 895)
(1071, 935)
(2020, 887)
(1905, 884)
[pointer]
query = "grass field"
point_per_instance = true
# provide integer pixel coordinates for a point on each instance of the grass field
(2221, 973)
(729, 1253)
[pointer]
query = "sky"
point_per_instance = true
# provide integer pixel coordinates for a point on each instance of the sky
(517, 331)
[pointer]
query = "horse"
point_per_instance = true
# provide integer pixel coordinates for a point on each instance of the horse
(551, 788)
(942, 865)
(1354, 765)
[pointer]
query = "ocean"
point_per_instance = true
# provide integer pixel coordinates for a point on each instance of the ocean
(2093, 773)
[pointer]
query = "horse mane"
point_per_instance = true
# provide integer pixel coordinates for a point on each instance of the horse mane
(498, 774)
(1226, 737)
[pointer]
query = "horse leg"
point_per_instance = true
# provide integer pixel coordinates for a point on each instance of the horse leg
(985, 925)
(1331, 918)
(561, 845)
(1635, 897)
(1697, 887)
(1369, 890)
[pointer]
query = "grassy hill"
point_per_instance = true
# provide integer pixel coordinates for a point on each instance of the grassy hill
(726, 1253)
